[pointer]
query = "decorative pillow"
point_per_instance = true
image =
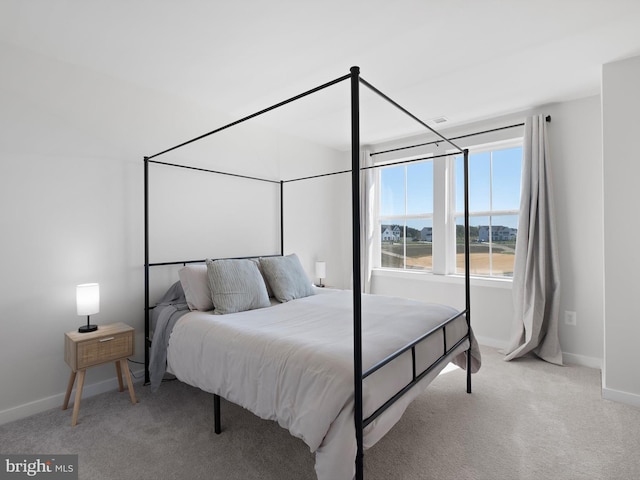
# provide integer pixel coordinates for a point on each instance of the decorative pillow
(236, 286)
(286, 277)
(195, 284)
(257, 262)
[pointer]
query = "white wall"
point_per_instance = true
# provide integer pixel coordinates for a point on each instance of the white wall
(620, 107)
(71, 148)
(71, 178)
(317, 211)
(575, 145)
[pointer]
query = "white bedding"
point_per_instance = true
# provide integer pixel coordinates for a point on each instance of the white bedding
(293, 363)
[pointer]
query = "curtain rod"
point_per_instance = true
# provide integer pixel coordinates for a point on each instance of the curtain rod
(547, 118)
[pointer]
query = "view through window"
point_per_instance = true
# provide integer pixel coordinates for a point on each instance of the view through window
(406, 216)
(408, 207)
(494, 202)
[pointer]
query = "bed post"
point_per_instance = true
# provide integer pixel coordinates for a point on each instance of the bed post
(281, 218)
(217, 424)
(467, 266)
(146, 271)
(357, 275)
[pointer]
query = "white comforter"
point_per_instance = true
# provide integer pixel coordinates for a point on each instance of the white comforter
(293, 363)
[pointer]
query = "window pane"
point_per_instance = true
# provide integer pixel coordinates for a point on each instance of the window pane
(506, 169)
(479, 186)
(492, 246)
(418, 244)
(504, 229)
(392, 246)
(479, 249)
(392, 191)
(420, 188)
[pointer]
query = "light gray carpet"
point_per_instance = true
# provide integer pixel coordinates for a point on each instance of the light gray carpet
(525, 420)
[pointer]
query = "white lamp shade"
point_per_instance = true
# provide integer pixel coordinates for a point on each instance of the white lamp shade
(321, 269)
(88, 298)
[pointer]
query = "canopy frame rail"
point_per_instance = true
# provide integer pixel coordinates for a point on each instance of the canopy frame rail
(359, 375)
(253, 115)
(148, 264)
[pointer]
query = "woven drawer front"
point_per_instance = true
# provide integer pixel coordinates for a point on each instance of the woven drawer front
(104, 349)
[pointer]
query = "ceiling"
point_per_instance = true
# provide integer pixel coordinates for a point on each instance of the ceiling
(466, 60)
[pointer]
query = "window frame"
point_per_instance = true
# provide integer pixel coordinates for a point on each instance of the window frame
(444, 215)
(479, 149)
(401, 219)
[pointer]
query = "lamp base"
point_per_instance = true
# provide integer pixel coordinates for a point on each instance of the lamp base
(321, 285)
(87, 328)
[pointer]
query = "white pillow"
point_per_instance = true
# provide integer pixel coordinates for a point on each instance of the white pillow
(195, 284)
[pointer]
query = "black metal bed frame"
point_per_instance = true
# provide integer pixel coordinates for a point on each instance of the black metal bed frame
(356, 168)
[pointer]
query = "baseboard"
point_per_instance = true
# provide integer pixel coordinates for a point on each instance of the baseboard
(621, 397)
(491, 342)
(55, 401)
(582, 360)
(572, 358)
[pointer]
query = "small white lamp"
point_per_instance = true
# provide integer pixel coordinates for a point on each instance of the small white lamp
(321, 272)
(88, 302)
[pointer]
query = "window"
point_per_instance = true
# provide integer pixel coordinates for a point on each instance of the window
(421, 220)
(406, 216)
(494, 201)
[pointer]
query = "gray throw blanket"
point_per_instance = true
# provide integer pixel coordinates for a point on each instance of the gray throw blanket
(163, 317)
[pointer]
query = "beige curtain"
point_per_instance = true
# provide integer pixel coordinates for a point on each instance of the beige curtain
(536, 282)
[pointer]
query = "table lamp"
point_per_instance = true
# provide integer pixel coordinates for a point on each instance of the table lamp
(88, 302)
(321, 272)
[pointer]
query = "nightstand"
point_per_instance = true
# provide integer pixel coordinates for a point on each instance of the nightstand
(110, 343)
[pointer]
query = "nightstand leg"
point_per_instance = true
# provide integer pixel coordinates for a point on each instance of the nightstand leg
(127, 375)
(67, 396)
(119, 372)
(76, 403)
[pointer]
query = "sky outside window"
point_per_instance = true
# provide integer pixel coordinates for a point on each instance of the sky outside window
(494, 183)
(498, 176)
(419, 189)
(392, 191)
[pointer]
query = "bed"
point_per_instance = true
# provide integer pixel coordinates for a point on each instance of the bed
(336, 368)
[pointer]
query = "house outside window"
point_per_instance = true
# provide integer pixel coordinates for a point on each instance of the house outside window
(421, 212)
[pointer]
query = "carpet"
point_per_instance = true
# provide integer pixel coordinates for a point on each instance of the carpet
(526, 419)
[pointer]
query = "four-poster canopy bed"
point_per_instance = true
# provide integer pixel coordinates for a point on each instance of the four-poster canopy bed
(370, 382)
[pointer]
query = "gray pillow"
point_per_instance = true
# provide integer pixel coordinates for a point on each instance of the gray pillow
(286, 277)
(236, 286)
(257, 262)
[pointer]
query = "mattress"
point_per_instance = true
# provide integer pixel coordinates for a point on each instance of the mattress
(293, 363)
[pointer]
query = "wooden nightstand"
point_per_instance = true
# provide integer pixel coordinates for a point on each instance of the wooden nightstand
(110, 343)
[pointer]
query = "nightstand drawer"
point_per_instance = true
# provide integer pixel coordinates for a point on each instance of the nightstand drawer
(105, 349)
(109, 343)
